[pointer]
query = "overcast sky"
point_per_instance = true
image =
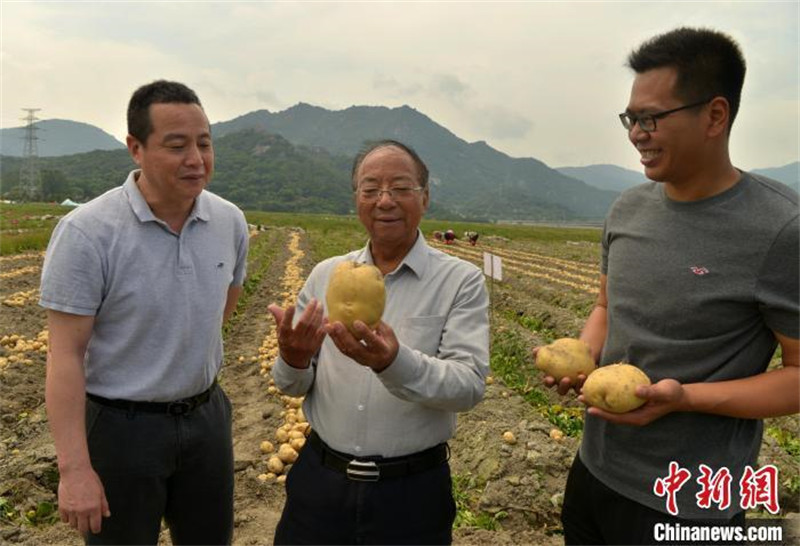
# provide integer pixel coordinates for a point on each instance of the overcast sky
(532, 79)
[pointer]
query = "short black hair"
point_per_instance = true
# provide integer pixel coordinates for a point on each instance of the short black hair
(709, 64)
(157, 92)
(369, 147)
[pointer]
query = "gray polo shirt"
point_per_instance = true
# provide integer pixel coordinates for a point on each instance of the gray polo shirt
(437, 306)
(157, 296)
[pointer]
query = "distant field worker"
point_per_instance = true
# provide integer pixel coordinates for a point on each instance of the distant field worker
(472, 237)
(383, 403)
(137, 284)
(449, 237)
(698, 286)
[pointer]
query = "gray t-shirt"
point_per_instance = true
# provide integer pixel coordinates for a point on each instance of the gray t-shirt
(695, 290)
(157, 296)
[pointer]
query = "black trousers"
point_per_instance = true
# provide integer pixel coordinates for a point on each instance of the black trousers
(593, 513)
(154, 466)
(324, 507)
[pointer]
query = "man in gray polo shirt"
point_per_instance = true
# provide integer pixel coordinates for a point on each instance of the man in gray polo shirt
(699, 285)
(137, 284)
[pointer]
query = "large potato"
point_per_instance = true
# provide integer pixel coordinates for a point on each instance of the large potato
(613, 387)
(355, 292)
(565, 357)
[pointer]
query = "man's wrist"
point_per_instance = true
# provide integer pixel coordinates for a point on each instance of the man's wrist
(296, 365)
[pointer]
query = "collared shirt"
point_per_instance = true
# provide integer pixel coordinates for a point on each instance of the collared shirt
(437, 306)
(157, 296)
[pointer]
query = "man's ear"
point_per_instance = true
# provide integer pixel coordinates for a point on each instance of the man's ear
(134, 148)
(719, 112)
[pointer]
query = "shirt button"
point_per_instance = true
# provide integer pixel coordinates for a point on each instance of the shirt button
(358, 449)
(361, 407)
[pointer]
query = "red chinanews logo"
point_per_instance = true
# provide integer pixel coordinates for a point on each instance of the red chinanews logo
(699, 270)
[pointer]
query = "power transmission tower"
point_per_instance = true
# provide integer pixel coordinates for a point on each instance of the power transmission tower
(30, 179)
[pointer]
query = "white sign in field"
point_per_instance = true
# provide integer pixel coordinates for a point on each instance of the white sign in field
(492, 266)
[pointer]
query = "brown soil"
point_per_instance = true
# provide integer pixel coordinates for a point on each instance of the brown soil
(519, 485)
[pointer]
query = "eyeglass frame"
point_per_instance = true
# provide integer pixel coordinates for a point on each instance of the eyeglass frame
(630, 120)
(393, 196)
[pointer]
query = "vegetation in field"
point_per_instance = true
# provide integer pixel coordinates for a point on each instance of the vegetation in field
(27, 226)
(511, 360)
(463, 494)
(262, 250)
(790, 443)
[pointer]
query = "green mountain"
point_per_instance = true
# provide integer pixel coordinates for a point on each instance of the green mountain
(606, 177)
(471, 179)
(611, 177)
(788, 174)
(56, 137)
(255, 170)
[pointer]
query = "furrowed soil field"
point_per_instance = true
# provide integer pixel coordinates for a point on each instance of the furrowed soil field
(507, 493)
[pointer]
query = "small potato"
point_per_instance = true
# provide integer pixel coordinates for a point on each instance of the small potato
(267, 447)
(287, 454)
(613, 387)
(275, 465)
(565, 357)
(297, 443)
(302, 427)
(509, 438)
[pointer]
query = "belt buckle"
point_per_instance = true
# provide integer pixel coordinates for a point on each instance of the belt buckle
(363, 471)
(179, 408)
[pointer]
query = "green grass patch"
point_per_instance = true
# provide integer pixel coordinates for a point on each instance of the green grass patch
(788, 442)
(511, 360)
(34, 239)
(465, 496)
(263, 248)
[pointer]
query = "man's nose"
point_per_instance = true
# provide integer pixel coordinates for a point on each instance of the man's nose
(636, 134)
(385, 198)
(194, 155)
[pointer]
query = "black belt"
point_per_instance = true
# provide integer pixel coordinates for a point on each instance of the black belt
(178, 407)
(372, 469)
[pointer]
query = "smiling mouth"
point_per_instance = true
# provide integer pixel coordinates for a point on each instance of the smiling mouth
(193, 177)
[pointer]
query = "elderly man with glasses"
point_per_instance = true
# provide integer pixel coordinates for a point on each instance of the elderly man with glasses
(698, 286)
(382, 403)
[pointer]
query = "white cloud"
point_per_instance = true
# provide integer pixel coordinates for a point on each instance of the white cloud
(533, 79)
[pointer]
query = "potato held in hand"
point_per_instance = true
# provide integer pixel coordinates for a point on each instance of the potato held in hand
(355, 292)
(565, 357)
(612, 388)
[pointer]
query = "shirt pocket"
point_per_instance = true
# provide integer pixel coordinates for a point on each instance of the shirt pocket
(423, 334)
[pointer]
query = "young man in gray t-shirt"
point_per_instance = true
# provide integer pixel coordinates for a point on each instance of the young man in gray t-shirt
(699, 285)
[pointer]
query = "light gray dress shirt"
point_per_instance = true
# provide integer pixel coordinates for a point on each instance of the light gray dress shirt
(437, 306)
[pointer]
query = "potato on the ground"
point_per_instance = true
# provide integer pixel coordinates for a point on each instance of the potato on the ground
(565, 357)
(613, 387)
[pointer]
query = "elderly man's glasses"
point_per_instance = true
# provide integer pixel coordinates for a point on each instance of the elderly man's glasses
(647, 122)
(397, 193)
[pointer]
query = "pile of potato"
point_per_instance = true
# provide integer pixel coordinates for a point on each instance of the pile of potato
(21, 299)
(290, 437)
(19, 348)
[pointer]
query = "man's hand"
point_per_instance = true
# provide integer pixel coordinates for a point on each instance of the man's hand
(299, 344)
(662, 398)
(565, 384)
(82, 500)
(375, 349)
